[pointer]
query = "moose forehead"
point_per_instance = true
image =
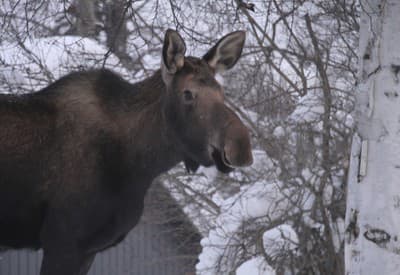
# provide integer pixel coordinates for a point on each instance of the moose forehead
(196, 71)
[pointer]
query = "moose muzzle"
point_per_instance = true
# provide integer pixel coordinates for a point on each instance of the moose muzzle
(237, 147)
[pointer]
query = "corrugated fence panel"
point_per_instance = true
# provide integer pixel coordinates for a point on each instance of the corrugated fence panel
(147, 250)
(161, 244)
(22, 262)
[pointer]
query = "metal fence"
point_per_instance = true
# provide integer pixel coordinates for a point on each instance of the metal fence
(147, 250)
(163, 243)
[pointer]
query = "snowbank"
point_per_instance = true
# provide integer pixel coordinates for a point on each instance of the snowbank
(255, 266)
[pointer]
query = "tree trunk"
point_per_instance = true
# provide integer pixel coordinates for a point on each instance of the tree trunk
(117, 32)
(115, 26)
(373, 195)
(86, 23)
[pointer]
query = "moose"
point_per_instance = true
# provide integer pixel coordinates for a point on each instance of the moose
(77, 157)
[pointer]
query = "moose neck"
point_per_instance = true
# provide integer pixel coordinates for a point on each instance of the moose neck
(156, 147)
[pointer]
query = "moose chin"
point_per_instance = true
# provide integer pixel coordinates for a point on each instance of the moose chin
(77, 157)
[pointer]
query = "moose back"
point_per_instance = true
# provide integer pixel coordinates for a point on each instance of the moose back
(77, 157)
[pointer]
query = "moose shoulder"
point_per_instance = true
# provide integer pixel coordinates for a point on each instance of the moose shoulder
(77, 157)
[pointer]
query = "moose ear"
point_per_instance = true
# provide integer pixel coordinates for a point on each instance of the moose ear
(173, 54)
(226, 52)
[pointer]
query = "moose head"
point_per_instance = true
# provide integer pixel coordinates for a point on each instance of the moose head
(210, 133)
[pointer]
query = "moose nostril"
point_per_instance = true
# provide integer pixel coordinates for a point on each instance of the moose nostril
(238, 153)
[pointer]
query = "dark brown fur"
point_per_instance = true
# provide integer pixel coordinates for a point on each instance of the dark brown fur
(77, 157)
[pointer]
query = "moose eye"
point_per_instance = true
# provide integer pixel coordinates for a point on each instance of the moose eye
(188, 96)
